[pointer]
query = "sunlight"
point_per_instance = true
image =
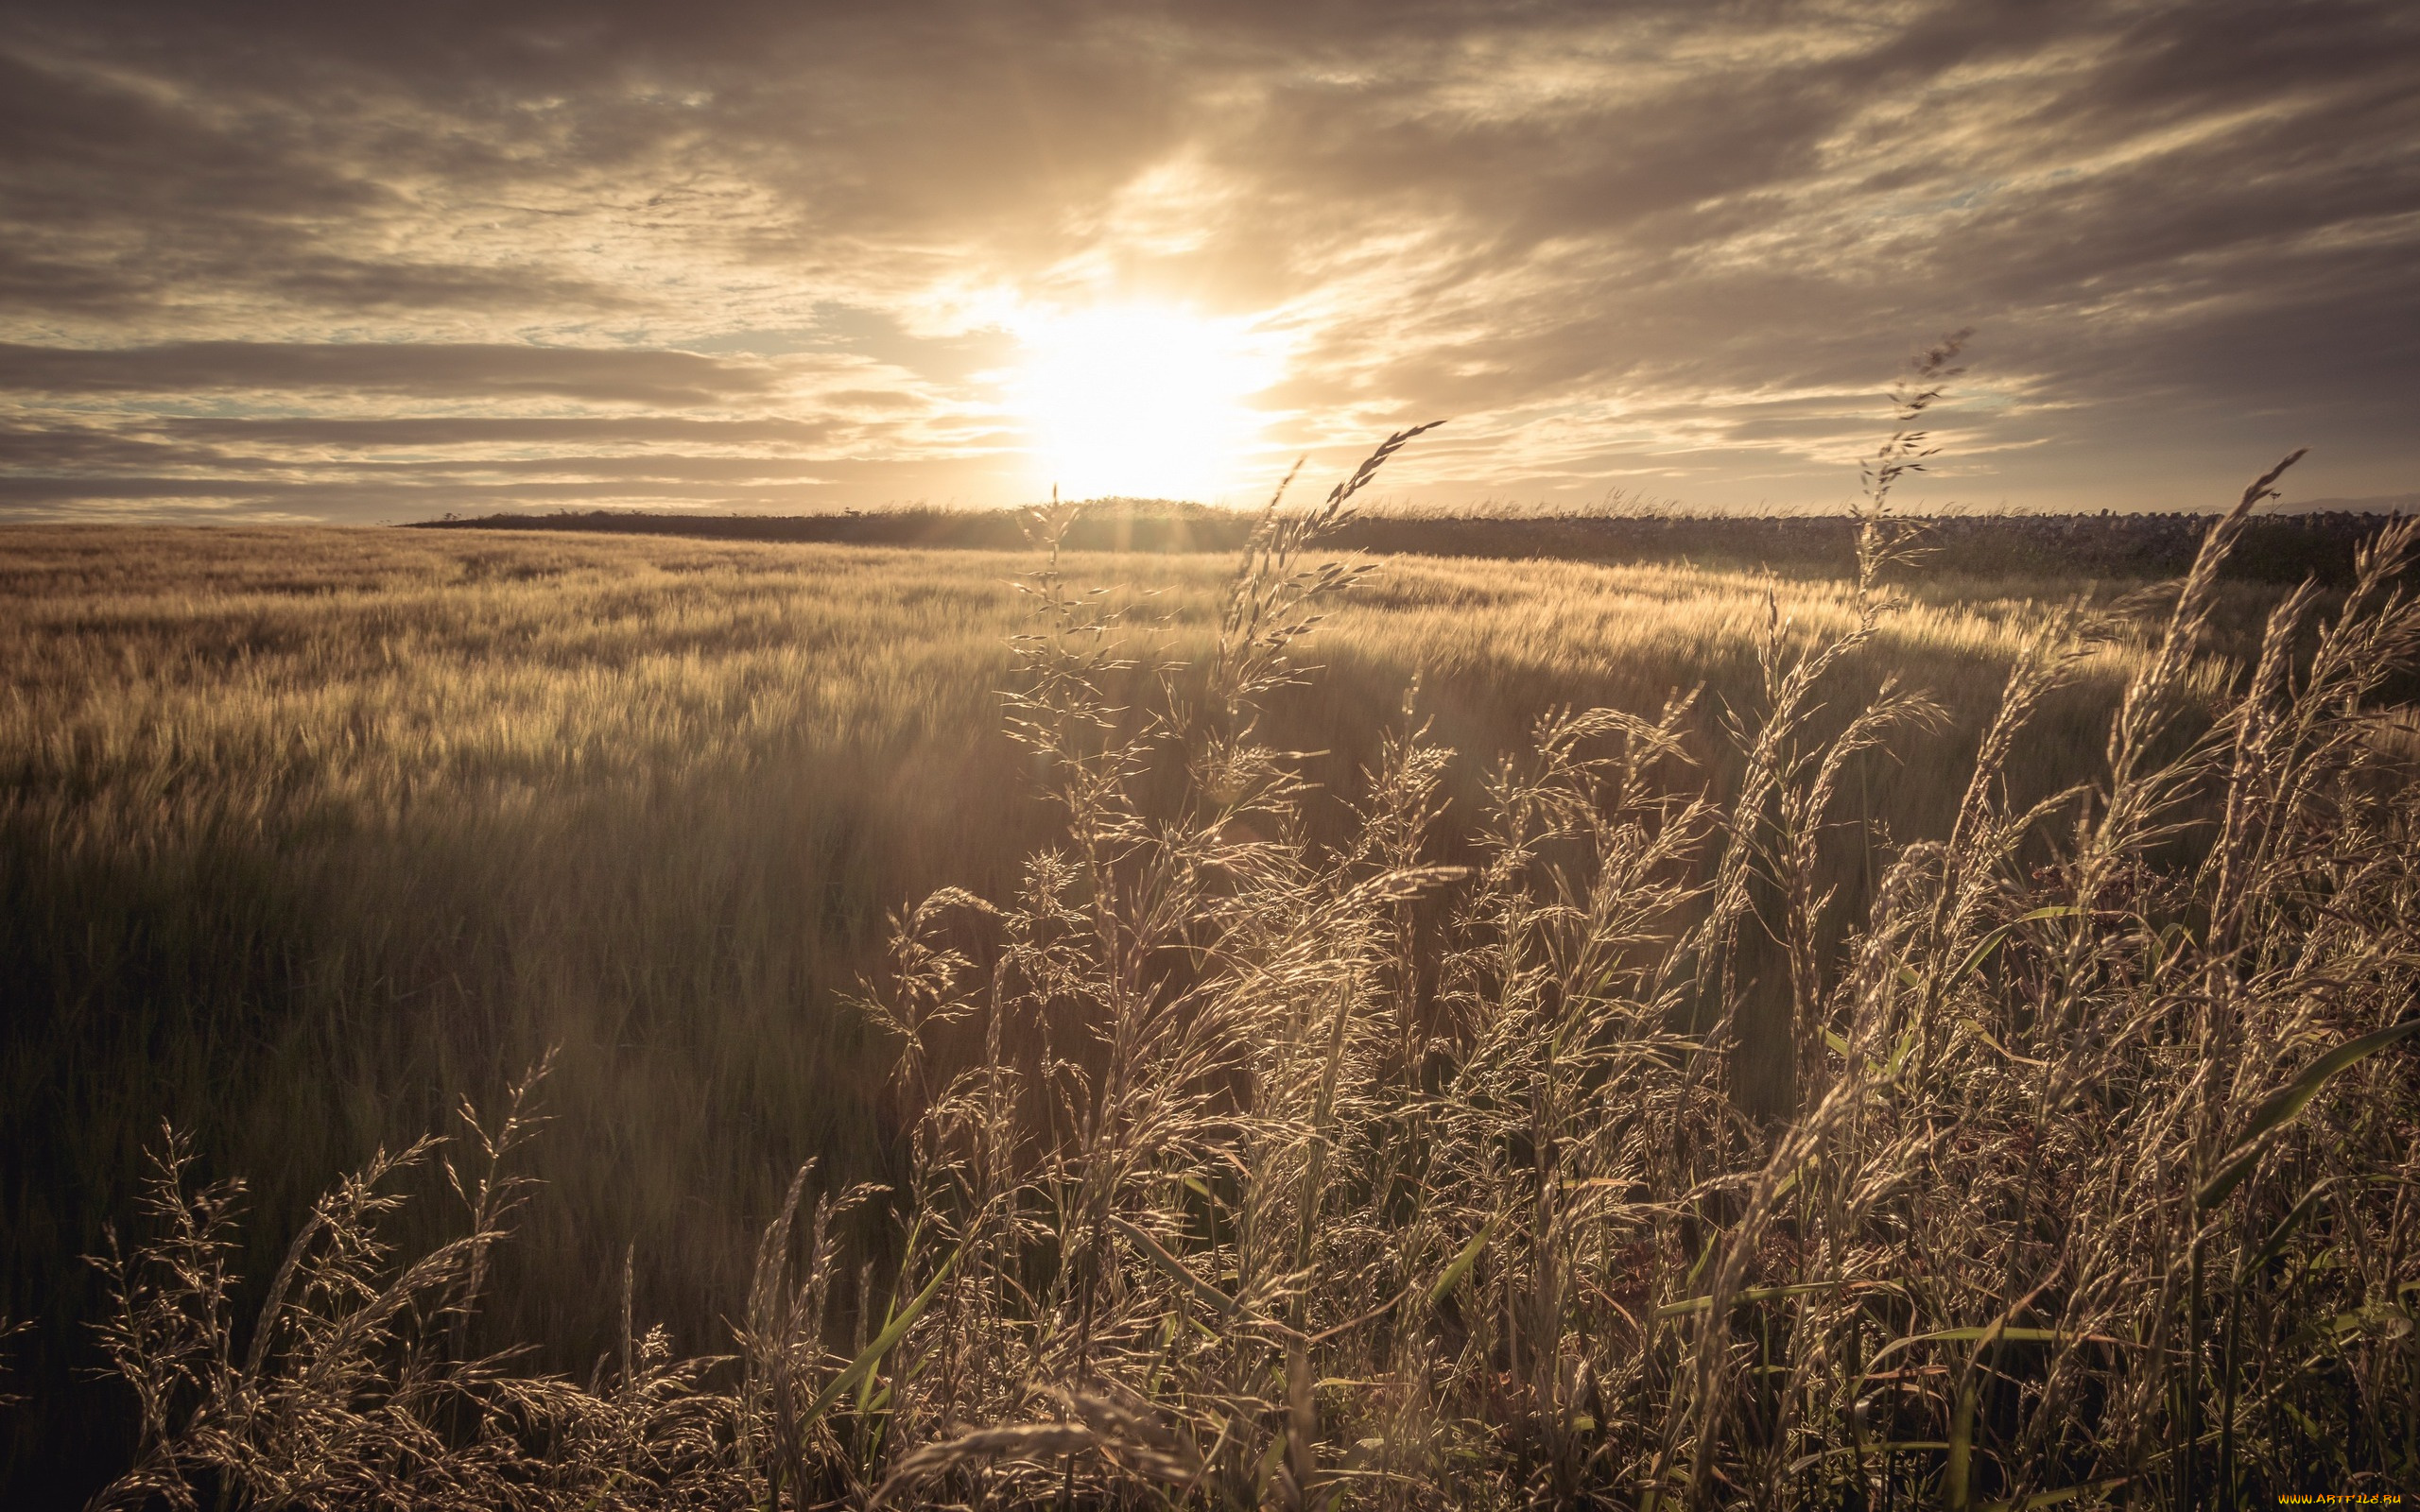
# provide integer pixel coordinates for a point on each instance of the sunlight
(1140, 400)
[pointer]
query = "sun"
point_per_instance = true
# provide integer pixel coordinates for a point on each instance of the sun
(1142, 400)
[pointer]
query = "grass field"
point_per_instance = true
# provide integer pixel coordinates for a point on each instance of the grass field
(309, 835)
(2276, 549)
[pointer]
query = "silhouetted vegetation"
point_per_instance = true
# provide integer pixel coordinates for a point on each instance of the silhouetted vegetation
(2284, 548)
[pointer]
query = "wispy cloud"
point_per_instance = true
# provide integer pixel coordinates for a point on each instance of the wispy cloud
(357, 262)
(445, 370)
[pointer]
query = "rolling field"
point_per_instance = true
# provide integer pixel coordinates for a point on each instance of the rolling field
(1666, 1139)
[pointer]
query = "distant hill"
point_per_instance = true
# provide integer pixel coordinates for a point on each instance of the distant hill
(2281, 547)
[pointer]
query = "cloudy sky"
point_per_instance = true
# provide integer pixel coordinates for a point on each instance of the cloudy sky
(361, 263)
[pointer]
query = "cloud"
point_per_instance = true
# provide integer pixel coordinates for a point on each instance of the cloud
(265, 246)
(445, 370)
(483, 431)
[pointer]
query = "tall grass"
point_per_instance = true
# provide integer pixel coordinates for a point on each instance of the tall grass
(1570, 1126)
(305, 835)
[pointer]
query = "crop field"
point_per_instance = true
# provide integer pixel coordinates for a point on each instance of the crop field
(1013, 1027)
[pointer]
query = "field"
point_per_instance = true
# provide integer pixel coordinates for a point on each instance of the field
(1617, 1107)
(2278, 549)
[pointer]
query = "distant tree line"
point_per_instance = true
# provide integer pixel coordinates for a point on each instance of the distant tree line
(2278, 548)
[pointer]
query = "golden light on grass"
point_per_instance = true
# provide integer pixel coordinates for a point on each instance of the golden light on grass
(1139, 400)
(1255, 1233)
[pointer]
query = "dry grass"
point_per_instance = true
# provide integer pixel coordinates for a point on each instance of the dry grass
(1878, 1073)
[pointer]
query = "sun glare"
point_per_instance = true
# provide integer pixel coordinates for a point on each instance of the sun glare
(1140, 401)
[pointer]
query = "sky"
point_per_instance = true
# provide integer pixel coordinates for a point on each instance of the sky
(354, 264)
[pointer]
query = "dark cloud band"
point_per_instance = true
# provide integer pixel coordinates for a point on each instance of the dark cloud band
(442, 369)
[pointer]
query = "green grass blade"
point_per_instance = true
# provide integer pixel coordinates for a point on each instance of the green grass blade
(1754, 1294)
(2278, 1237)
(1982, 951)
(1452, 1276)
(2281, 1107)
(1176, 1270)
(2065, 1493)
(863, 1366)
(1958, 1476)
(1993, 1335)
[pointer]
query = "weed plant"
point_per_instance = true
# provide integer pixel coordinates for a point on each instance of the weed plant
(1258, 1160)
(1249, 1167)
(306, 835)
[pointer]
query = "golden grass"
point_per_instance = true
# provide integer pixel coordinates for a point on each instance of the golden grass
(576, 791)
(309, 834)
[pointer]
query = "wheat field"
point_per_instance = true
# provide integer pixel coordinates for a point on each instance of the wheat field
(1399, 1033)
